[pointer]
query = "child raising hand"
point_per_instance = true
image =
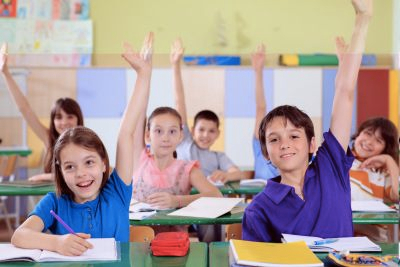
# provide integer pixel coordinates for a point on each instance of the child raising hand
(90, 200)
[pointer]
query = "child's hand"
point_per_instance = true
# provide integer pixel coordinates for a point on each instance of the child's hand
(341, 47)
(176, 52)
(258, 57)
(140, 62)
(73, 245)
(162, 200)
(219, 176)
(3, 57)
(363, 7)
(381, 162)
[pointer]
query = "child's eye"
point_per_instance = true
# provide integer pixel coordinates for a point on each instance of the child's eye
(68, 167)
(295, 136)
(158, 131)
(273, 140)
(173, 131)
(89, 162)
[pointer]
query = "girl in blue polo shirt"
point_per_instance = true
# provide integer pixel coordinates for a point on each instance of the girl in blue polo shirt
(310, 199)
(90, 201)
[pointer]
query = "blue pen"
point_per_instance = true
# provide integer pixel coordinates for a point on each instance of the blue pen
(325, 241)
(69, 229)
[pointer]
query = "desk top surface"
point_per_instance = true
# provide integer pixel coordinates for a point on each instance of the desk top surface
(25, 191)
(14, 150)
(219, 253)
(162, 218)
(138, 255)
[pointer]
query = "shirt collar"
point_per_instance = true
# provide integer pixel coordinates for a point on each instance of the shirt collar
(276, 191)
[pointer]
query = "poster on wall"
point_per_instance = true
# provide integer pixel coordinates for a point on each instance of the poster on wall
(53, 9)
(8, 8)
(58, 43)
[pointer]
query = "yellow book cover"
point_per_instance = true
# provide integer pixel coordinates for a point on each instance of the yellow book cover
(273, 254)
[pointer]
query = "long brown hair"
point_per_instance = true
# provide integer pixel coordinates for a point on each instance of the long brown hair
(69, 106)
(388, 132)
(86, 138)
(165, 110)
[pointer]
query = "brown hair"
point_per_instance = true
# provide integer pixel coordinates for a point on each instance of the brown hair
(388, 131)
(69, 106)
(165, 110)
(297, 117)
(86, 138)
(206, 115)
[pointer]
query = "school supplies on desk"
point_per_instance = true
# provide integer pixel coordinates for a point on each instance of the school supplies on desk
(256, 182)
(370, 206)
(271, 254)
(170, 244)
(66, 226)
(104, 249)
(317, 244)
(139, 210)
(208, 207)
(350, 260)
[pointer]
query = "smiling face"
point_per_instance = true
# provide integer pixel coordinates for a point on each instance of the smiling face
(82, 170)
(63, 121)
(204, 133)
(164, 134)
(287, 145)
(369, 143)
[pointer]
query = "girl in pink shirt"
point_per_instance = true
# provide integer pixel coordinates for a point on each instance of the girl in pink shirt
(159, 178)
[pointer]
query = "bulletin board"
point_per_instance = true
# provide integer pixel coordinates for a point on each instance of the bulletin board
(47, 32)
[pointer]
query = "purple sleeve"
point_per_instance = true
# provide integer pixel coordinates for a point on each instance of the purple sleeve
(254, 227)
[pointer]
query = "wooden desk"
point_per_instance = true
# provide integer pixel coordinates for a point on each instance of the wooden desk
(15, 150)
(9, 172)
(375, 217)
(25, 191)
(219, 253)
(225, 190)
(136, 255)
(245, 190)
(161, 218)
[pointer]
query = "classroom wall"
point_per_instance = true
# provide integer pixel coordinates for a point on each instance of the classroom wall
(229, 91)
(234, 26)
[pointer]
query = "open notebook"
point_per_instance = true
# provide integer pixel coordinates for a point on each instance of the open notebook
(104, 249)
(208, 207)
(256, 182)
(370, 206)
(317, 244)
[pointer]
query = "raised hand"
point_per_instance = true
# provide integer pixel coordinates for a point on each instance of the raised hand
(3, 57)
(176, 51)
(341, 47)
(143, 60)
(73, 245)
(363, 7)
(258, 57)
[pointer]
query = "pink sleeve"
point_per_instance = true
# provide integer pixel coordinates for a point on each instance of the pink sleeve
(191, 164)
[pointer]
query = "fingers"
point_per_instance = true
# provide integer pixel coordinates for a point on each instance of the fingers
(147, 48)
(4, 49)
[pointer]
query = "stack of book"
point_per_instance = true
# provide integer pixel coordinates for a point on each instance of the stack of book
(248, 253)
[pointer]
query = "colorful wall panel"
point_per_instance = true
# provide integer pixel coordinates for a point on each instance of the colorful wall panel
(372, 94)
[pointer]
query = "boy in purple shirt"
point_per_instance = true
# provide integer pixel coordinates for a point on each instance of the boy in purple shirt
(310, 199)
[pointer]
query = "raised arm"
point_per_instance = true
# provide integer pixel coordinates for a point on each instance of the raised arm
(20, 100)
(258, 61)
(175, 58)
(142, 64)
(349, 65)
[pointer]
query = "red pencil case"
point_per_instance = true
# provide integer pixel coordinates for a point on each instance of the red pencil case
(170, 244)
